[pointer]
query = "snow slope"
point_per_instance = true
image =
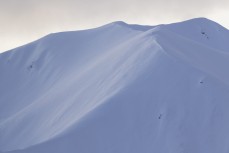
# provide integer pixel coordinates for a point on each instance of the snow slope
(118, 88)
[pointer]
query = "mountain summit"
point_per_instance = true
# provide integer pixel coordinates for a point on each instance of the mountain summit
(118, 88)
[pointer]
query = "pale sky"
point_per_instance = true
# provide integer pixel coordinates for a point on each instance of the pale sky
(23, 21)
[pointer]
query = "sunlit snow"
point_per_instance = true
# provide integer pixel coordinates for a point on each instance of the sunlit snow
(118, 88)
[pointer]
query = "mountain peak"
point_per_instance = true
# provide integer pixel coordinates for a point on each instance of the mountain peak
(200, 19)
(197, 21)
(122, 23)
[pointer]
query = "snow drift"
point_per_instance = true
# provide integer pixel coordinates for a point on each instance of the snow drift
(118, 88)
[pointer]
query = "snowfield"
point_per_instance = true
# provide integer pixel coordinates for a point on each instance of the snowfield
(118, 88)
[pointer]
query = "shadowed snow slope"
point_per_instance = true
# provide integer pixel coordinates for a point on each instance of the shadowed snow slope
(118, 88)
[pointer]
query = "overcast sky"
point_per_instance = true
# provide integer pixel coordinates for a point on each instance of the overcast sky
(22, 21)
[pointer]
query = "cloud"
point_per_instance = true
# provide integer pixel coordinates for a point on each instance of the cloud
(25, 20)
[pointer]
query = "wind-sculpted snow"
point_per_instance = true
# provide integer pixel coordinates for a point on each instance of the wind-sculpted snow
(118, 88)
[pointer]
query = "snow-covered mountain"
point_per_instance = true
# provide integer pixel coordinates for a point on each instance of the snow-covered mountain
(118, 88)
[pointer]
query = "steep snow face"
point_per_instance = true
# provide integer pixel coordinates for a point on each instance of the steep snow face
(69, 80)
(118, 88)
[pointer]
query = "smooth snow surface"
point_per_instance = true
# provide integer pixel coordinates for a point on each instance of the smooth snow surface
(118, 88)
